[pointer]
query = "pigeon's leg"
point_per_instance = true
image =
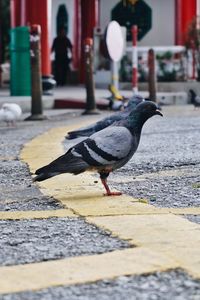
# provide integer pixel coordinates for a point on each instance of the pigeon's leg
(103, 176)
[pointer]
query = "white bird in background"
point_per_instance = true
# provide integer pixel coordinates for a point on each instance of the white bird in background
(10, 113)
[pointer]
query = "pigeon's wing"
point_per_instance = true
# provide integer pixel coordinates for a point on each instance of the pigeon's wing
(106, 147)
(91, 129)
(111, 147)
(67, 163)
(133, 102)
(81, 132)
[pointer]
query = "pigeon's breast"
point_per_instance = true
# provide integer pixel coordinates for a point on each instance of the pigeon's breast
(116, 141)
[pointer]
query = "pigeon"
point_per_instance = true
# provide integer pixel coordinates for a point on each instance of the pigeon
(104, 151)
(195, 100)
(89, 130)
(10, 113)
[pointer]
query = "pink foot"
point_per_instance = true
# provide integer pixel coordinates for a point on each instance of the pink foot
(113, 194)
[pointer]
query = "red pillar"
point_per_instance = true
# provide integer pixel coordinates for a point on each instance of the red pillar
(23, 12)
(18, 13)
(178, 23)
(29, 12)
(89, 14)
(134, 31)
(185, 11)
(15, 13)
(77, 34)
(39, 12)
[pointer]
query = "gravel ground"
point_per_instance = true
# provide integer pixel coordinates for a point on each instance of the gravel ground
(27, 241)
(17, 191)
(193, 218)
(165, 168)
(175, 285)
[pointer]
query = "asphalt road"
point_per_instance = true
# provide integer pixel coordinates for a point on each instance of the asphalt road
(165, 171)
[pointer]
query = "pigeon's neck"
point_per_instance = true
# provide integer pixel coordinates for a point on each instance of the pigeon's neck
(135, 124)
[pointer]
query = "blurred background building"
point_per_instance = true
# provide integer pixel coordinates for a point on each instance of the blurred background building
(160, 23)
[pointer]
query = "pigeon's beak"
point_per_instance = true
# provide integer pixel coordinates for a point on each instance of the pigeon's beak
(158, 112)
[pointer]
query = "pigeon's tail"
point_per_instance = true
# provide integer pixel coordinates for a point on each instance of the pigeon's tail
(44, 176)
(66, 163)
(79, 133)
(89, 130)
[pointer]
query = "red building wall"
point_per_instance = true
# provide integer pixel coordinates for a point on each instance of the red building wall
(25, 12)
(185, 10)
(29, 12)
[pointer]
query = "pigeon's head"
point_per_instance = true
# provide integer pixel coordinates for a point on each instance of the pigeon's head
(143, 112)
(148, 109)
(134, 101)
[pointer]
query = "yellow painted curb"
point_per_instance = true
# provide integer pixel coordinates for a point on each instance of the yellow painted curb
(83, 269)
(83, 193)
(80, 191)
(168, 234)
(33, 214)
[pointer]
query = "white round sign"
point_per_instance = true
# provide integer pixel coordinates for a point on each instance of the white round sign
(114, 41)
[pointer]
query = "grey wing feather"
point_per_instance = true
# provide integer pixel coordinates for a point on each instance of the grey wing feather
(112, 146)
(116, 140)
(66, 163)
(91, 129)
(106, 147)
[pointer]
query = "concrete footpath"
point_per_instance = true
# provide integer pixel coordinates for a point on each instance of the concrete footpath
(62, 239)
(62, 97)
(71, 97)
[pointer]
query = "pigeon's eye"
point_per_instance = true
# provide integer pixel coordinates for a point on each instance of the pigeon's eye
(151, 108)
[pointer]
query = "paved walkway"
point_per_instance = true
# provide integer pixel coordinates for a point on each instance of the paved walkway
(156, 235)
(72, 94)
